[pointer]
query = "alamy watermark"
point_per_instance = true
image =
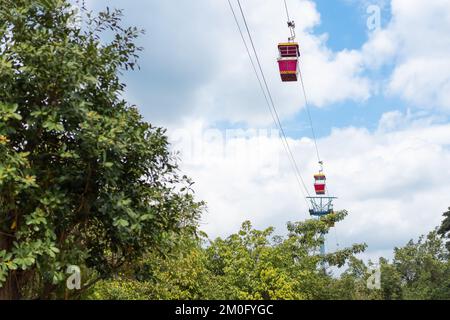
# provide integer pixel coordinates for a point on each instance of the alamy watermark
(251, 149)
(74, 280)
(374, 18)
(374, 280)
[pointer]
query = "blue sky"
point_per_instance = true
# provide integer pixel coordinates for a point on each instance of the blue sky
(344, 22)
(380, 102)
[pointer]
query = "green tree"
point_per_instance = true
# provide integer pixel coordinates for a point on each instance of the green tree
(424, 268)
(254, 264)
(391, 281)
(83, 179)
(251, 264)
(352, 283)
(180, 274)
(419, 271)
(444, 230)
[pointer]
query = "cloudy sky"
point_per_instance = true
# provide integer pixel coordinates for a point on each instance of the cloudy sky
(379, 99)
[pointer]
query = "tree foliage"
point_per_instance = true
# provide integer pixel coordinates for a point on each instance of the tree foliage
(256, 264)
(419, 271)
(251, 264)
(444, 230)
(179, 274)
(83, 179)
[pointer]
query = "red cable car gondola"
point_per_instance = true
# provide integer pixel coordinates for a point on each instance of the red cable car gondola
(288, 61)
(320, 183)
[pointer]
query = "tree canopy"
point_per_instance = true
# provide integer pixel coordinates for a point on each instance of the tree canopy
(444, 230)
(256, 264)
(249, 265)
(83, 179)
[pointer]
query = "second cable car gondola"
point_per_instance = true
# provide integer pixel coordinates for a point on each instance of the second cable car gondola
(321, 205)
(289, 53)
(320, 183)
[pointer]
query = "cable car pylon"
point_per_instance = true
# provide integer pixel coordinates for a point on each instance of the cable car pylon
(320, 205)
(288, 62)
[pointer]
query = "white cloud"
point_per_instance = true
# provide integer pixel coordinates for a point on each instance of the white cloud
(393, 182)
(233, 93)
(417, 44)
(331, 77)
(424, 81)
(195, 64)
(202, 69)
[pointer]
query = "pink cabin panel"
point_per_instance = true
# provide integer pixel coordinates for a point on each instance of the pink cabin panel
(288, 69)
(319, 188)
(288, 65)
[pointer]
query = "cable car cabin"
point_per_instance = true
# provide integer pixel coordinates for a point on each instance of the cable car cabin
(288, 61)
(320, 183)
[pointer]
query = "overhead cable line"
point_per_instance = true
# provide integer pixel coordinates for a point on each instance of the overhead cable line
(313, 132)
(275, 114)
(320, 178)
(303, 89)
(251, 61)
(287, 10)
(291, 24)
(284, 142)
(299, 181)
